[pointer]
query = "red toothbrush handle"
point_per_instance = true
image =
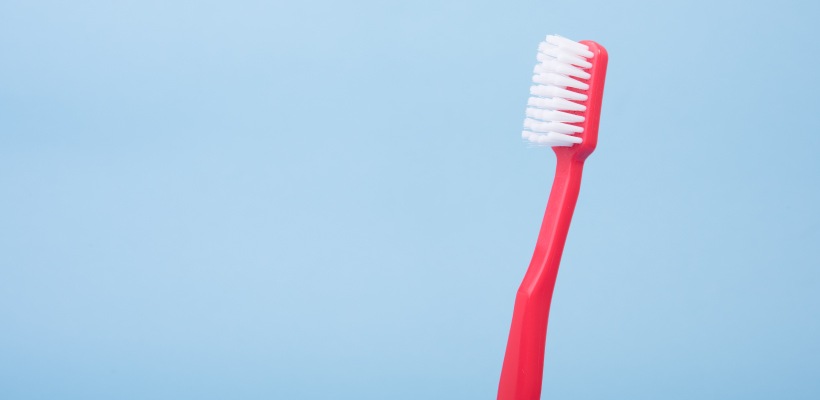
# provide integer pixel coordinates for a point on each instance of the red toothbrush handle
(523, 367)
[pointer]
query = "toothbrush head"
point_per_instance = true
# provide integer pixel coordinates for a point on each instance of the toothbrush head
(565, 99)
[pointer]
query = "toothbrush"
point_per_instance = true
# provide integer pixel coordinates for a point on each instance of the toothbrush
(563, 112)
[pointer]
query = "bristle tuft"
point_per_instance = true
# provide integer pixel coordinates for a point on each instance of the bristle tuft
(552, 109)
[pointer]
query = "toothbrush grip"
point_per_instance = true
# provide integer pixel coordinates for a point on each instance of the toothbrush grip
(522, 371)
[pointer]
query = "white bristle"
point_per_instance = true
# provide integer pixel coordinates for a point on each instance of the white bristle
(548, 64)
(551, 78)
(550, 118)
(543, 127)
(555, 103)
(550, 138)
(570, 45)
(552, 115)
(563, 55)
(554, 91)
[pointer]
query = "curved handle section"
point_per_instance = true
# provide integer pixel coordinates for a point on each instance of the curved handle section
(522, 372)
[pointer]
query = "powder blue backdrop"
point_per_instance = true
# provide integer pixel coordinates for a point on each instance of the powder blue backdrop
(330, 200)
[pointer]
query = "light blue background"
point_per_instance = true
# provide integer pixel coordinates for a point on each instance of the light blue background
(330, 200)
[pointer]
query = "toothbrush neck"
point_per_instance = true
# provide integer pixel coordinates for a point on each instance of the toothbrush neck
(524, 359)
(561, 205)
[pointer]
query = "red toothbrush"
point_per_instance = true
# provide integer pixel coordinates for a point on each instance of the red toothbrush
(563, 112)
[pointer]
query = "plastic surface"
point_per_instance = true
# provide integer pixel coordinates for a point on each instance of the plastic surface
(522, 372)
